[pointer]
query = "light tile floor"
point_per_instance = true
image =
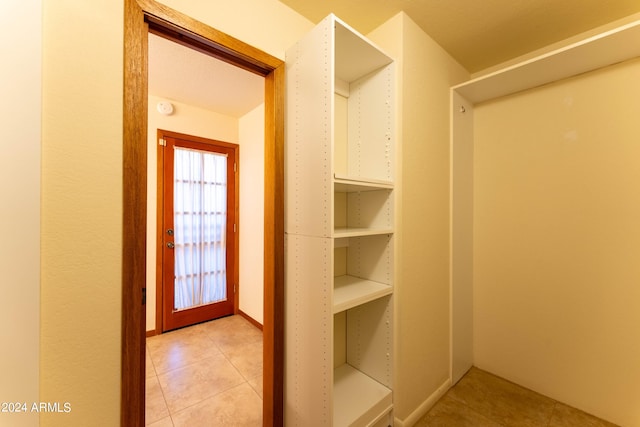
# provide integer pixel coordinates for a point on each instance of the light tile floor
(211, 375)
(481, 399)
(205, 375)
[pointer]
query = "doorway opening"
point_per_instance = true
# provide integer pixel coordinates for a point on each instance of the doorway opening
(142, 17)
(197, 94)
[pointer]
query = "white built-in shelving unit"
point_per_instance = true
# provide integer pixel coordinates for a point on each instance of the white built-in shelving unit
(339, 230)
(598, 51)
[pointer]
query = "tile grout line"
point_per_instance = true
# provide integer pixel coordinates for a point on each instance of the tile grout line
(482, 415)
(211, 345)
(161, 389)
(155, 375)
(208, 396)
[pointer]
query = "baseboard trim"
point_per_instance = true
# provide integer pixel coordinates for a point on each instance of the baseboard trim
(424, 407)
(152, 333)
(250, 319)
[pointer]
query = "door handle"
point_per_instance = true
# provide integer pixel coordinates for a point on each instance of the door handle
(171, 245)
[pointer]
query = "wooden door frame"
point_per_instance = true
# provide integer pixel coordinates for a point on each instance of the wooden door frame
(140, 17)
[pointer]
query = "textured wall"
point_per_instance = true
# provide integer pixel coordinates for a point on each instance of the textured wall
(81, 210)
(557, 239)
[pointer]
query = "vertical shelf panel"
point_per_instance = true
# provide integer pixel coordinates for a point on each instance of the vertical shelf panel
(308, 151)
(461, 236)
(309, 331)
(341, 132)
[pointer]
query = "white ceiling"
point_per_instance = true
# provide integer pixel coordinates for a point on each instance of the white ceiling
(479, 33)
(181, 74)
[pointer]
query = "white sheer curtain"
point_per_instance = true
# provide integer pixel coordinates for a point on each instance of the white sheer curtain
(200, 218)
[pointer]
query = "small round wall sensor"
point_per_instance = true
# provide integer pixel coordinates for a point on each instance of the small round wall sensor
(165, 108)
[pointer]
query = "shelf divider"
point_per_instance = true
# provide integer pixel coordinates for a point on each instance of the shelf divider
(340, 233)
(357, 398)
(350, 291)
(344, 183)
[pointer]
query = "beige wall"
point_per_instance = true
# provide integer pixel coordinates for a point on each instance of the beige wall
(557, 237)
(20, 85)
(189, 120)
(421, 296)
(81, 210)
(251, 127)
(82, 189)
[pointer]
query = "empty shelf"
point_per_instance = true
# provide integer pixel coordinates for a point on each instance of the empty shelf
(347, 184)
(359, 232)
(358, 399)
(349, 292)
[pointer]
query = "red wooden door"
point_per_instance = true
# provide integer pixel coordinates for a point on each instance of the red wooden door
(198, 230)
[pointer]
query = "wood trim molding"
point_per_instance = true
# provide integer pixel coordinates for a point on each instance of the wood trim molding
(159, 222)
(273, 373)
(250, 319)
(142, 16)
(183, 29)
(134, 219)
